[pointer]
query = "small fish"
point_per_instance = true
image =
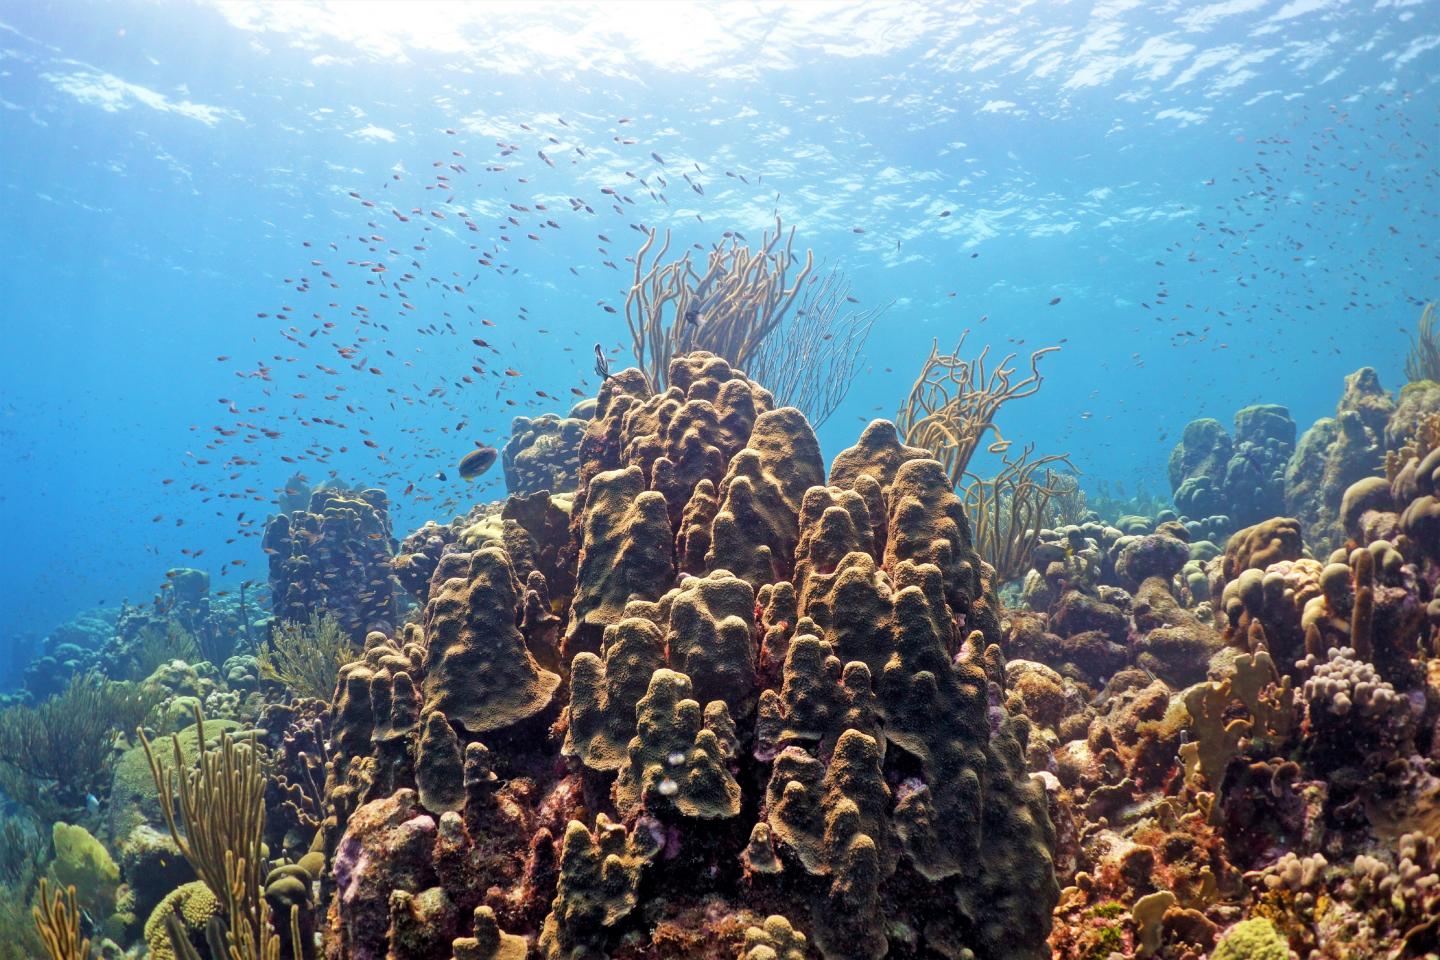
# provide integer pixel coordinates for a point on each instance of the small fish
(440, 475)
(1054, 300)
(477, 461)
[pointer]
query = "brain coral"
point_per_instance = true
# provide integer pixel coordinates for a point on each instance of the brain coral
(775, 727)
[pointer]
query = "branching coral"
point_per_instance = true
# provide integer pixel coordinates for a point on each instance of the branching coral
(58, 921)
(306, 657)
(1009, 510)
(1422, 362)
(954, 401)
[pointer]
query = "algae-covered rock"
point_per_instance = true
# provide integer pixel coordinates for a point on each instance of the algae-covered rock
(133, 798)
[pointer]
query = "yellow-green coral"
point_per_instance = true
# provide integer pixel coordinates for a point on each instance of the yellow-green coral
(489, 942)
(194, 905)
(82, 862)
(774, 940)
(1215, 741)
(1255, 939)
(306, 657)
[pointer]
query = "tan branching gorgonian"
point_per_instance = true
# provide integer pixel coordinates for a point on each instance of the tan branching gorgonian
(796, 334)
(221, 804)
(739, 298)
(1008, 511)
(1068, 503)
(954, 401)
(58, 921)
(1422, 362)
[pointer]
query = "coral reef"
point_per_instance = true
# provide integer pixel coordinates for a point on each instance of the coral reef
(715, 701)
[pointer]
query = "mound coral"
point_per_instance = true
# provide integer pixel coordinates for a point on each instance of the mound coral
(784, 703)
(543, 452)
(1335, 453)
(1242, 478)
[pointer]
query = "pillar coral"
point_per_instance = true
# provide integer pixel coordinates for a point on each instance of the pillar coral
(675, 767)
(603, 693)
(756, 525)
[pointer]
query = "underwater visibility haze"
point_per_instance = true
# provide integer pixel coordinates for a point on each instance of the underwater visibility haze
(640, 480)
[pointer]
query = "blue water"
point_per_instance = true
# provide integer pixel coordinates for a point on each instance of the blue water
(1271, 166)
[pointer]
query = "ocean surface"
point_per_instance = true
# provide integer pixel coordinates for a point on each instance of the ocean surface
(1205, 205)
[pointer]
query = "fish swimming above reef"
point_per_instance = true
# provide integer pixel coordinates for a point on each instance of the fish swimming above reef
(477, 461)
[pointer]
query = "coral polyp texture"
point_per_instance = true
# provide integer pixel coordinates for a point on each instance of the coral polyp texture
(776, 723)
